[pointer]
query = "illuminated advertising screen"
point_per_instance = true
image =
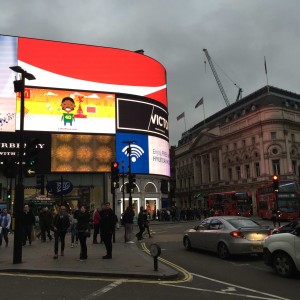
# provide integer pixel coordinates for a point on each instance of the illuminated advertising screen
(148, 117)
(148, 155)
(92, 68)
(9, 148)
(8, 58)
(82, 153)
(67, 111)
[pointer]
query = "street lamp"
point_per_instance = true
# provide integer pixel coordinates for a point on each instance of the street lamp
(128, 153)
(19, 86)
(123, 181)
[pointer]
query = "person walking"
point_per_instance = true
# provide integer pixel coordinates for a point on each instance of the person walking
(127, 221)
(141, 224)
(146, 222)
(73, 228)
(45, 221)
(60, 225)
(96, 224)
(107, 227)
(5, 221)
(28, 222)
(83, 223)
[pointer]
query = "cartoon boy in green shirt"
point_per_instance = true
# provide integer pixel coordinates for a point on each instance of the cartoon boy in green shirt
(67, 104)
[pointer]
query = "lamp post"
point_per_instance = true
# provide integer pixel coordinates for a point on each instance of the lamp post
(128, 153)
(123, 181)
(19, 86)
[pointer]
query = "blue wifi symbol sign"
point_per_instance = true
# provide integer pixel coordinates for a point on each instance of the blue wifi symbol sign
(134, 152)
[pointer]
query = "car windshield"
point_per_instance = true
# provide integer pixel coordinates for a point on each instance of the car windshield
(238, 223)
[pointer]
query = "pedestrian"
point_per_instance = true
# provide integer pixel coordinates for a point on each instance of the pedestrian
(45, 221)
(96, 224)
(107, 227)
(127, 221)
(73, 227)
(103, 207)
(140, 222)
(60, 225)
(5, 221)
(83, 228)
(146, 223)
(28, 223)
(274, 217)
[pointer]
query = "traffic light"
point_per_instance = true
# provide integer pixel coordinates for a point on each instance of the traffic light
(31, 152)
(275, 184)
(40, 183)
(131, 182)
(115, 176)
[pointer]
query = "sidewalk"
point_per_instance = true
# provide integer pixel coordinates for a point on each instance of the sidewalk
(129, 260)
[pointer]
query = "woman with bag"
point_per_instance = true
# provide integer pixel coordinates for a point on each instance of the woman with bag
(83, 220)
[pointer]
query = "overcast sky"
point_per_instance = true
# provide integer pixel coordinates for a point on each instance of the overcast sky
(237, 33)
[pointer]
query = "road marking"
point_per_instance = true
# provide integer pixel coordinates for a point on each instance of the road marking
(240, 287)
(229, 289)
(225, 293)
(103, 290)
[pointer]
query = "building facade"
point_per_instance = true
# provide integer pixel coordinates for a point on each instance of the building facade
(240, 147)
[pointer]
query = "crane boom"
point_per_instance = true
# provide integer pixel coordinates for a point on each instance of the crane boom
(216, 77)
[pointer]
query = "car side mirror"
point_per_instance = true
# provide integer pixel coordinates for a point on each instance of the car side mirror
(297, 231)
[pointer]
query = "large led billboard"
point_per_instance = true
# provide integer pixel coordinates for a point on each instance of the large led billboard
(148, 155)
(92, 68)
(87, 100)
(82, 153)
(68, 111)
(148, 117)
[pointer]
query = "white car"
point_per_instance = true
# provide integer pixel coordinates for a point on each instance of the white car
(282, 252)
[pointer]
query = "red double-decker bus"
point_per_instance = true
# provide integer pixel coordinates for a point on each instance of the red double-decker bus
(287, 200)
(230, 203)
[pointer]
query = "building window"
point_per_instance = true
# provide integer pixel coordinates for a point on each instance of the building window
(234, 146)
(229, 173)
(276, 166)
(226, 147)
(247, 171)
(253, 140)
(273, 136)
(257, 169)
(243, 143)
(238, 172)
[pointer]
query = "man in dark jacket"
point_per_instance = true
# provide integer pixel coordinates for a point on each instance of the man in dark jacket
(60, 225)
(45, 221)
(141, 224)
(107, 226)
(28, 222)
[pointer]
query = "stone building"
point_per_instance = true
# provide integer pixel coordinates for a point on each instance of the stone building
(240, 147)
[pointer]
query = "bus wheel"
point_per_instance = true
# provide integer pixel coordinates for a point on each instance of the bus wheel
(223, 251)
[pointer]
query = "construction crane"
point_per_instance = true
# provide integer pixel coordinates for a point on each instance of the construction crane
(216, 77)
(239, 96)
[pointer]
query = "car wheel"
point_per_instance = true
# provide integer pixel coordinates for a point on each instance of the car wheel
(284, 265)
(187, 243)
(223, 251)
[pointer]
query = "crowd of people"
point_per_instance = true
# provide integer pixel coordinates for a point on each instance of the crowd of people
(56, 223)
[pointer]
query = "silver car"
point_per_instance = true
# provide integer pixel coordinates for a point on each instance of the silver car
(227, 235)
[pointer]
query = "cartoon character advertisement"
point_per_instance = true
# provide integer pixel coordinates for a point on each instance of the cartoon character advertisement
(68, 111)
